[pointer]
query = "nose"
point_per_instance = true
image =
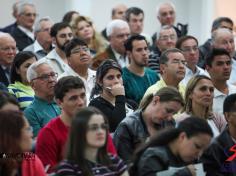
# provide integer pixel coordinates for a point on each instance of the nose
(80, 102)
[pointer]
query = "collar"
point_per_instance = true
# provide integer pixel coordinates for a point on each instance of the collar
(37, 46)
(37, 98)
(26, 31)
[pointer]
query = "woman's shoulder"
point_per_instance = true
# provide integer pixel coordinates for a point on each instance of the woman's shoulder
(66, 167)
(118, 164)
(181, 117)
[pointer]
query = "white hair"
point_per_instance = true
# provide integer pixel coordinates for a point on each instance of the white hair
(38, 26)
(217, 33)
(159, 6)
(117, 23)
(20, 8)
(162, 28)
(31, 71)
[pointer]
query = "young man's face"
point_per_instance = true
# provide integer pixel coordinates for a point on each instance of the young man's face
(73, 100)
(136, 23)
(220, 68)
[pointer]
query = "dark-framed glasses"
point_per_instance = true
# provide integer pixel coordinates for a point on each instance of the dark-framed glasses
(46, 77)
(96, 127)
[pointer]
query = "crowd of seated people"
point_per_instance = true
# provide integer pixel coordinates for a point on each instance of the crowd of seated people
(74, 101)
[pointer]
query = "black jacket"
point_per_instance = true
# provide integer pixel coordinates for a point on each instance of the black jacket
(156, 159)
(130, 134)
(214, 158)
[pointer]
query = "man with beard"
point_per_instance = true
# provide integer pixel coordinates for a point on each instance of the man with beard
(42, 79)
(61, 34)
(137, 77)
(219, 66)
(172, 68)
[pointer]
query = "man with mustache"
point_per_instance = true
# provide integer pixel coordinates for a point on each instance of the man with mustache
(172, 70)
(61, 34)
(43, 108)
(219, 66)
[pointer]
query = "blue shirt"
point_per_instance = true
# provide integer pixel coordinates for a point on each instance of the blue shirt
(40, 112)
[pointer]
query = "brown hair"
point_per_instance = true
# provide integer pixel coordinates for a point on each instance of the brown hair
(11, 124)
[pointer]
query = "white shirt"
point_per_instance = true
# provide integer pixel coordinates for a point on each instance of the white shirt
(56, 62)
(189, 74)
(219, 98)
(232, 78)
(122, 61)
(89, 83)
(27, 32)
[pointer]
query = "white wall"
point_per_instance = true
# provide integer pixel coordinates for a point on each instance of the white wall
(198, 14)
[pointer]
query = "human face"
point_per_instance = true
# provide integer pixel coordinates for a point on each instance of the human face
(203, 93)
(166, 15)
(136, 23)
(44, 88)
(193, 146)
(96, 132)
(7, 50)
(227, 25)
(225, 41)
(80, 56)
(85, 30)
(27, 18)
(23, 69)
(26, 137)
(119, 12)
(63, 37)
(43, 36)
(140, 53)
(220, 68)
(10, 106)
(163, 111)
(73, 100)
(231, 119)
(118, 38)
(167, 39)
(175, 67)
(190, 51)
(112, 78)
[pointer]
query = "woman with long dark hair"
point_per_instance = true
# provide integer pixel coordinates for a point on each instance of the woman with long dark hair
(86, 149)
(176, 147)
(15, 145)
(19, 86)
(111, 100)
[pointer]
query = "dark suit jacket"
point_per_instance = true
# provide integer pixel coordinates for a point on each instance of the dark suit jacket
(10, 28)
(22, 40)
(3, 77)
(99, 58)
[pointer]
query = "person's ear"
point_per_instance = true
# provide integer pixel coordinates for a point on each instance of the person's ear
(182, 136)
(58, 101)
(227, 117)
(155, 100)
(54, 40)
(17, 70)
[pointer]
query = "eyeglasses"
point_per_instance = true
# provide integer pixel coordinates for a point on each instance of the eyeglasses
(183, 62)
(30, 14)
(8, 49)
(45, 77)
(166, 37)
(79, 50)
(96, 127)
(29, 129)
(189, 49)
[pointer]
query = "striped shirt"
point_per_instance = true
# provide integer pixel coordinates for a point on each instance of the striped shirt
(23, 93)
(117, 168)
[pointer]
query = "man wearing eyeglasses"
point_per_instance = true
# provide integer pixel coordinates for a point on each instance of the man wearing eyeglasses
(117, 32)
(70, 95)
(79, 59)
(189, 46)
(23, 33)
(42, 79)
(61, 34)
(7, 55)
(43, 43)
(165, 39)
(172, 69)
